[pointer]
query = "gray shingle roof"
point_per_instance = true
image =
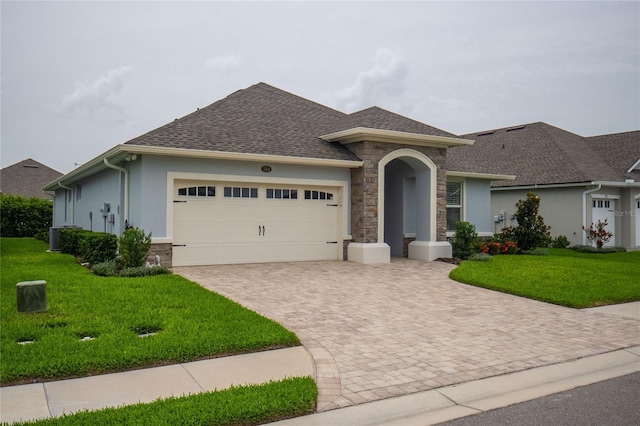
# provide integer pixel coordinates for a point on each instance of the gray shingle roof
(27, 178)
(258, 120)
(378, 118)
(538, 153)
(262, 119)
(619, 150)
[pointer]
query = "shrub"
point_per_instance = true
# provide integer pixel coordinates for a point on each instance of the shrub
(598, 234)
(531, 231)
(465, 239)
(96, 247)
(106, 269)
(480, 257)
(497, 247)
(143, 271)
(25, 217)
(560, 242)
(134, 246)
(70, 240)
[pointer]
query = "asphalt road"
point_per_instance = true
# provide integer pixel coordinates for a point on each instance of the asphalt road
(614, 402)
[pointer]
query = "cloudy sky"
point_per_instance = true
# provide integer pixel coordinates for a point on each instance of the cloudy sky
(81, 77)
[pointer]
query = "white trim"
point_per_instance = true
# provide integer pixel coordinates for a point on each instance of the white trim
(161, 240)
(490, 176)
(605, 196)
(119, 152)
(636, 165)
(358, 134)
(399, 153)
(614, 184)
(343, 199)
(636, 197)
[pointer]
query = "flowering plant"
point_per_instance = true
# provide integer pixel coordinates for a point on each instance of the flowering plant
(598, 234)
(495, 247)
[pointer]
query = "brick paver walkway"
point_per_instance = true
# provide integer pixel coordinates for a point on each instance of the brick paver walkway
(377, 331)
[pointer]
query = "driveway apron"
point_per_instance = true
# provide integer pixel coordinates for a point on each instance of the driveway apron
(377, 331)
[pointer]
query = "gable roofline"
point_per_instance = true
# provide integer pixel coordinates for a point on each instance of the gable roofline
(358, 134)
(120, 153)
(635, 165)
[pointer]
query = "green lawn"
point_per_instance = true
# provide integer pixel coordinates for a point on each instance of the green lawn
(190, 322)
(564, 277)
(241, 405)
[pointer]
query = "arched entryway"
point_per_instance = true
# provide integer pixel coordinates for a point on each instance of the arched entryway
(406, 199)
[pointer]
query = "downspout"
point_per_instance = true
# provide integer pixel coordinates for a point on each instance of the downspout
(73, 202)
(584, 209)
(126, 187)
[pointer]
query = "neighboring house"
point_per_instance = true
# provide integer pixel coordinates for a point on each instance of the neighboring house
(264, 175)
(27, 178)
(580, 179)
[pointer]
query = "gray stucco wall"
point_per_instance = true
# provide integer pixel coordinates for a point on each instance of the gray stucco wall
(149, 181)
(477, 207)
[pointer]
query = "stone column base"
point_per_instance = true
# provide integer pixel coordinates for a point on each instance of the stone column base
(369, 253)
(429, 250)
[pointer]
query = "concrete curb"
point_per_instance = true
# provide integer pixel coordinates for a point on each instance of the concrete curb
(454, 401)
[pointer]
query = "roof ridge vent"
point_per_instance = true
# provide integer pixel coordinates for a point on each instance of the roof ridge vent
(510, 129)
(486, 133)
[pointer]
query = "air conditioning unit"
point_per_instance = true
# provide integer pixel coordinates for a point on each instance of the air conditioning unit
(54, 236)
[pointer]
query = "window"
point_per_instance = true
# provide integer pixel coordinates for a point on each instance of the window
(78, 192)
(454, 204)
(197, 191)
(282, 194)
(240, 192)
(602, 204)
(317, 195)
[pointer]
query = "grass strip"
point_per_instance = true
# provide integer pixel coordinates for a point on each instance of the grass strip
(563, 277)
(239, 405)
(93, 324)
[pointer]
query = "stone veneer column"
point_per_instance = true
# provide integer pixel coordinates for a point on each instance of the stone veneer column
(365, 247)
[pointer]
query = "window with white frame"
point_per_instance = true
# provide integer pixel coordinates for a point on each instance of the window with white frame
(454, 204)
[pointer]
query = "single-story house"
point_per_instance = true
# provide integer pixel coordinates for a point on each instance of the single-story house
(26, 178)
(580, 180)
(264, 175)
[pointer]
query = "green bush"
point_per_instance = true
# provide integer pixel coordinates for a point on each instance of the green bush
(603, 250)
(143, 271)
(480, 257)
(465, 240)
(531, 231)
(106, 269)
(134, 246)
(96, 247)
(70, 240)
(25, 217)
(560, 242)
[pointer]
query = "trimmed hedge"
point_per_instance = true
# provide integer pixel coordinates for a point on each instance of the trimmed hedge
(92, 247)
(25, 217)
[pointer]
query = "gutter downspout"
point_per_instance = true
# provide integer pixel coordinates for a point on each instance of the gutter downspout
(584, 209)
(73, 202)
(126, 187)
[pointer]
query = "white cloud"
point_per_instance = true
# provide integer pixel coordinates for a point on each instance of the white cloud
(106, 92)
(382, 85)
(222, 63)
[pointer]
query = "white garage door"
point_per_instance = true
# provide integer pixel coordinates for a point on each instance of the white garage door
(220, 223)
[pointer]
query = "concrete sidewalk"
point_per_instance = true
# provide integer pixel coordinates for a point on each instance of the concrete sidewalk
(52, 399)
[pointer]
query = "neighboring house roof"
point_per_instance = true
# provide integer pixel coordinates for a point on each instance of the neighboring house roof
(621, 151)
(540, 154)
(27, 178)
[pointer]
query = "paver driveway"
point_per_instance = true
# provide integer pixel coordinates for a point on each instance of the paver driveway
(377, 331)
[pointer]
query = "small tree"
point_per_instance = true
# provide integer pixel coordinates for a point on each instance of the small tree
(531, 231)
(134, 246)
(464, 240)
(598, 234)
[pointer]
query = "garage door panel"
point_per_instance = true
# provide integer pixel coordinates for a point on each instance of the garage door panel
(218, 229)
